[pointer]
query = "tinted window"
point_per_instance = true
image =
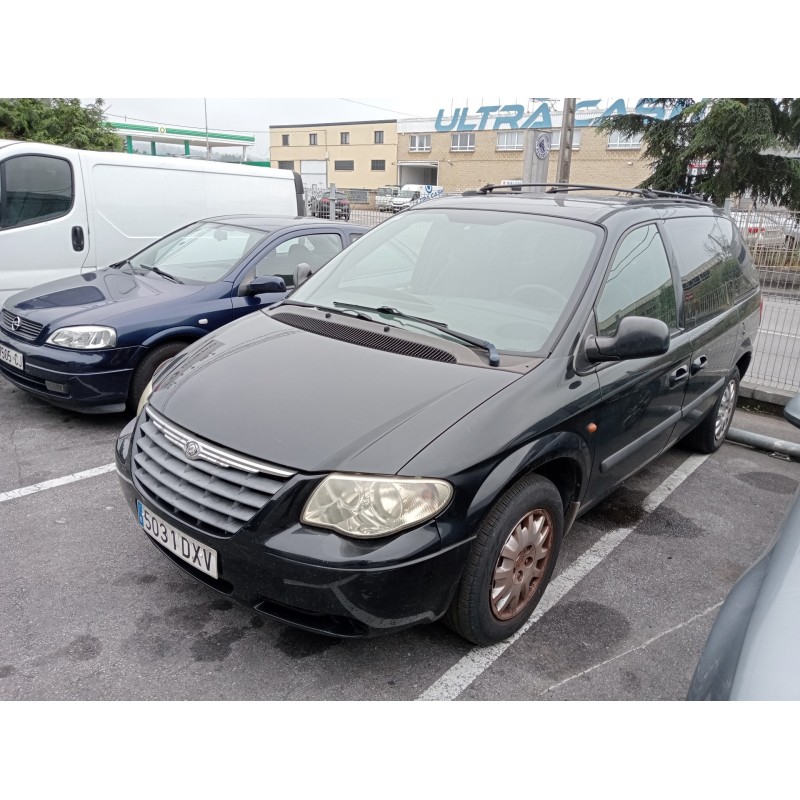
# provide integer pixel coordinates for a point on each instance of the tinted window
(714, 264)
(314, 249)
(34, 189)
(639, 283)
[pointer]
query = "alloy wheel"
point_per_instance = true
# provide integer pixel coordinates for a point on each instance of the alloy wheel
(725, 412)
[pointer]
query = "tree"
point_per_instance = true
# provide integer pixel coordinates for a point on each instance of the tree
(738, 139)
(57, 120)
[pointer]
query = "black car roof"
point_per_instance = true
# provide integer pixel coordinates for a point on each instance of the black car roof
(588, 208)
(269, 224)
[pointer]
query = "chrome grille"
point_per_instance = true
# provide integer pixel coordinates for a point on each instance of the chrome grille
(214, 489)
(25, 329)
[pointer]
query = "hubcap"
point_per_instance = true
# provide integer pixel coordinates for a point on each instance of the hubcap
(521, 563)
(725, 412)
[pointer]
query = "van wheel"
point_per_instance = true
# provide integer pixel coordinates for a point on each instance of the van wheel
(709, 435)
(147, 366)
(510, 564)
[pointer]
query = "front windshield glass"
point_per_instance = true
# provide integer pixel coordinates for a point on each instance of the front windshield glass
(503, 277)
(204, 252)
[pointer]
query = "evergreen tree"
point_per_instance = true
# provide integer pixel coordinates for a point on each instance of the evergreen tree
(57, 120)
(740, 139)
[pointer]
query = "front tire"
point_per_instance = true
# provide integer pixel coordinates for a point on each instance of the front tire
(510, 564)
(147, 366)
(709, 435)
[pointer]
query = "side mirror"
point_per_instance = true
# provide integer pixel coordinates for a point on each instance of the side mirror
(792, 411)
(267, 284)
(302, 272)
(636, 337)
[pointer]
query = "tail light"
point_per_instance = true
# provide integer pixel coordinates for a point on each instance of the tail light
(755, 229)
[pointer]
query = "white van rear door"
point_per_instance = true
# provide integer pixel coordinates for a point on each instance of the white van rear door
(43, 224)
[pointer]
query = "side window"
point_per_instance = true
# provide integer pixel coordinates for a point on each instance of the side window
(714, 264)
(314, 249)
(354, 236)
(639, 283)
(34, 189)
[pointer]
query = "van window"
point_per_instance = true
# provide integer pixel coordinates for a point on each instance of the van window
(34, 189)
(639, 283)
(714, 264)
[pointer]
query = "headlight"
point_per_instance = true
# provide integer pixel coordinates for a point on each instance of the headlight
(84, 337)
(366, 506)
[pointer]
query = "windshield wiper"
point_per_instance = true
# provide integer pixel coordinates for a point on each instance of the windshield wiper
(355, 313)
(494, 356)
(160, 272)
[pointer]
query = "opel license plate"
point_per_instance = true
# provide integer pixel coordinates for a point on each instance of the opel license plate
(186, 548)
(9, 356)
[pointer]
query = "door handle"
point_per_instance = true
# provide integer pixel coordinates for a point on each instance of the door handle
(680, 375)
(698, 364)
(77, 238)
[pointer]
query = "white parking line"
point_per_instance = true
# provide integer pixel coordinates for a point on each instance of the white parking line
(479, 659)
(641, 646)
(40, 487)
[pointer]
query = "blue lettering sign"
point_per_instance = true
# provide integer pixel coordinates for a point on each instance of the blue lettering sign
(511, 121)
(618, 107)
(484, 111)
(584, 123)
(463, 125)
(440, 126)
(649, 111)
(532, 122)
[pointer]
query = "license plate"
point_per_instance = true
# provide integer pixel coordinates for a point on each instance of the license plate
(186, 548)
(12, 357)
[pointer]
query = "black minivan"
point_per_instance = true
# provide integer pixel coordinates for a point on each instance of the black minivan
(409, 435)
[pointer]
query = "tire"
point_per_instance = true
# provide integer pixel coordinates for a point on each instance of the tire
(496, 594)
(147, 366)
(709, 435)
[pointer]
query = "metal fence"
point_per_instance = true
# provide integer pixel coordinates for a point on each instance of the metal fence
(772, 236)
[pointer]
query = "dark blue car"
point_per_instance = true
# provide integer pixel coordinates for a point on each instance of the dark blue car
(91, 342)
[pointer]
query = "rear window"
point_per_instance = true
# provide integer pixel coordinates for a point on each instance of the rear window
(714, 264)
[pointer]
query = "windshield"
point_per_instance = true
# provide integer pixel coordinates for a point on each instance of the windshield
(204, 252)
(503, 277)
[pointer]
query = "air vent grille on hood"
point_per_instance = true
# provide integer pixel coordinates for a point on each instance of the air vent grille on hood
(364, 338)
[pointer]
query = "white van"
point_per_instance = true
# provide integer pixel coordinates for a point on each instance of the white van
(63, 211)
(413, 193)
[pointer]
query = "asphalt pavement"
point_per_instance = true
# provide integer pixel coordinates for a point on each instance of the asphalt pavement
(89, 608)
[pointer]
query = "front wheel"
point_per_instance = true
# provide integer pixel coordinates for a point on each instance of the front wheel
(510, 564)
(709, 435)
(147, 366)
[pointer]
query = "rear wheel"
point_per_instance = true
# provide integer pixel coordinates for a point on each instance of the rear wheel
(709, 435)
(147, 366)
(510, 564)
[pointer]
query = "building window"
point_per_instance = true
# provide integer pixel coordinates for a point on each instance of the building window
(286, 165)
(312, 138)
(344, 138)
(618, 141)
(343, 166)
(462, 142)
(419, 143)
(378, 137)
(510, 140)
(285, 139)
(555, 139)
(378, 166)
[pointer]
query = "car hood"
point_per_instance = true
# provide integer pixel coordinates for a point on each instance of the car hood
(316, 404)
(95, 297)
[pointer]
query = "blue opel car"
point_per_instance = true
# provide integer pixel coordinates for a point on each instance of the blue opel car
(92, 342)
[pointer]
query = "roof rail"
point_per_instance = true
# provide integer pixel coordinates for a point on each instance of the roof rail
(555, 188)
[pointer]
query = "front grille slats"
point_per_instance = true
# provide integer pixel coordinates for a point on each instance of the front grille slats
(211, 496)
(27, 329)
(189, 476)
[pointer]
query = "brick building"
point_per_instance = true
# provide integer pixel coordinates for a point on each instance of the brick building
(458, 150)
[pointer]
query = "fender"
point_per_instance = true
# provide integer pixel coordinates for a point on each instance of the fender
(525, 459)
(188, 332)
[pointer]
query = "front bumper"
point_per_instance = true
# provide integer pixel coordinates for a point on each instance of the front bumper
(316, 579)
(91, 381)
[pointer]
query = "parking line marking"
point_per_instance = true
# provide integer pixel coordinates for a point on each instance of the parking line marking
(479, 659)
(40, 487)
(634, 649)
